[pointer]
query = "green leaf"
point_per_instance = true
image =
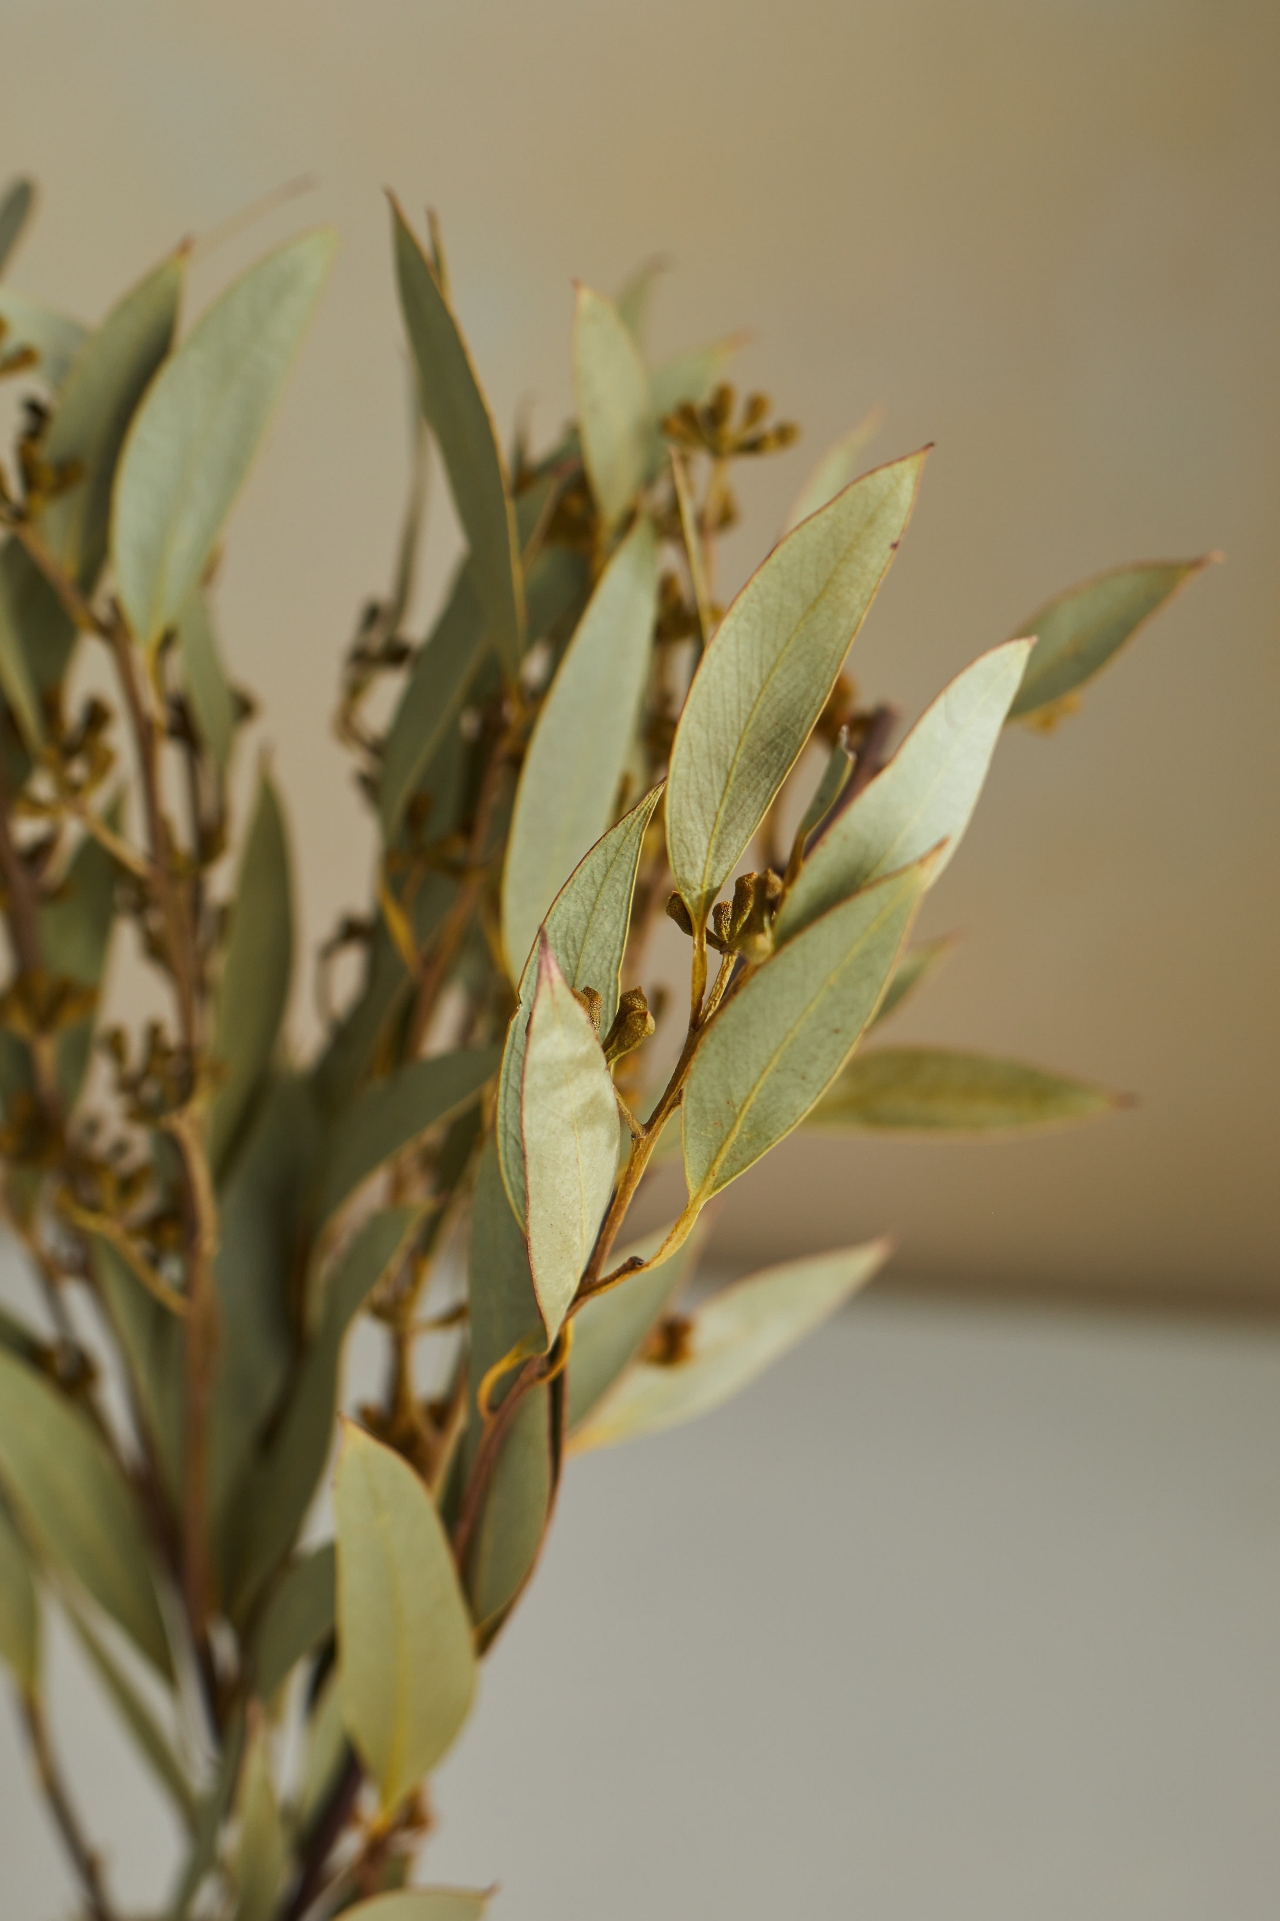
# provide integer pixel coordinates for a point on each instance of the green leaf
(15, 208)
(587, 932)
(569, 1124)
(609, 1331)
(75, 1506)
(281, 1486)
(299, 1615)
(105, 383)
(766, 676)
(432, 700)
(392, 1113)
(423, 1904)
(502, 1306)
(835, 778)
(33, 623)
(574, 763)
(263, 1852)
(254, 986)
(53, 338)
(215, 1806)
(455, 406)
(783, 1038)
(193, 440)
(613, 404)
(17, 683)
(1079, 632)
(925, 795)
(19, 1609)
(838, 466)
(508, 1537)
(934, 1090)
(404, 1638)
(151, 1342)
(153, 1742)
(913, 968)
(324, 1753)
(691, 378)
(738, 1334)
(213, 705)
(633, 302)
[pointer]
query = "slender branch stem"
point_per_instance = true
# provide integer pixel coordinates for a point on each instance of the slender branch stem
(324, 1836)
(201, 1347)
(68, 1823)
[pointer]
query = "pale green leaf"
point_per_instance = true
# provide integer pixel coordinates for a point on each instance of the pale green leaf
(52, 337)
(101, 393)
(613, 404)
(690, 379)
(913, 967)
(633, 302)
(19, 1609)
(298, 1616)
(74, 1504)
(1079, 632)
(423, 1904)
(432, 700)
(390, 1114)
(263, 1853)
(254, 986)
(15, 209)
(508, 1537)
(213, 705)
(502, 1307)
(283, 1483)
(404, 1638)
(733, 1338)
(766, 676)
(835, 778)
(324, 1753)
(193, 440)
(455, 406)
(838, 466)
(587, 932)
(569, 1124)
(575, 759)
(154, 1744)
(609, 1331)
(929, 1090)
(783, 1038)
(925, 795)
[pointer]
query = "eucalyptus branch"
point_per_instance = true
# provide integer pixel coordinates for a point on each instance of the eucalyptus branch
(54, 1789)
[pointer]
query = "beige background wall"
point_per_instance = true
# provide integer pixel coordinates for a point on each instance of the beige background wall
(1044, 235)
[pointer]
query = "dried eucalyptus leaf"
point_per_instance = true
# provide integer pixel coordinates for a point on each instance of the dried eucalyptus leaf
(298, 1616)
(455, 406)
(569, 1125)
(925, 795)
(257, 966)
(392, 1113)
(153, 1742)
(838, 466)
(508, 1537)
(587, 932)
(15, 210)
(75, 1505)
(405, 1651)
(104, 385)
(283, 1484)
(609, 1331)
(766, 677)
(432, 699)
(573, 766)
(195, 435)
(52, 337)
(930, 1090)
(913, 968)
(423, 1904)
(213, 705)
(613, 404)
(19, 1609)
(263, 1852)
(783, 1038)
(1079, 632)
(738, 1334)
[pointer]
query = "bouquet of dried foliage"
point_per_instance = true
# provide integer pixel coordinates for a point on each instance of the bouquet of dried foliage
(586, 741)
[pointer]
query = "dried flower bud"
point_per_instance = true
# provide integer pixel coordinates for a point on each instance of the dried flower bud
(679, 913)
(588, 999)
(633, 1024)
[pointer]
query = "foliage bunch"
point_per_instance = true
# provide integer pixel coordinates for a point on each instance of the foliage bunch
(584, 741)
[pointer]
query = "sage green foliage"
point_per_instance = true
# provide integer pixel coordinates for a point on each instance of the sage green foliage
(574, 729)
